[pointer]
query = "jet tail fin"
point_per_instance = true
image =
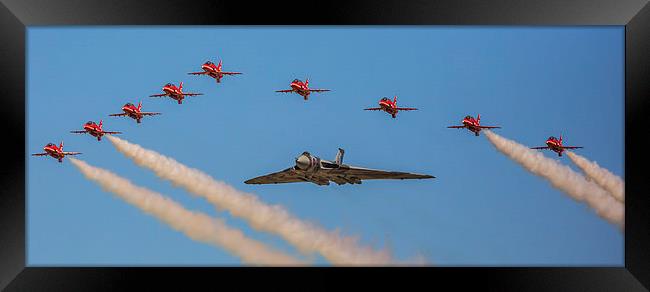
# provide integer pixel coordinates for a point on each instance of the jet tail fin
(139, 105)
(339, 157)
(478, 118)
(180, 87)
(61, 145)
(100, 124)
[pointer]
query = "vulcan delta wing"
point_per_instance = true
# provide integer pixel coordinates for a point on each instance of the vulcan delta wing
(312, 169)
(289, 175)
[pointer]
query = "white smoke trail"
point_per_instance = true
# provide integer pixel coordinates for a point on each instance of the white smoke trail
(269, 218)
(197, 226)
(605, 179)
(562, 177)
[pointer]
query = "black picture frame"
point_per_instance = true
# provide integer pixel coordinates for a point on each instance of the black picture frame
(16, 15)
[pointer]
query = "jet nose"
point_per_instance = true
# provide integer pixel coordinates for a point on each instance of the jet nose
(302, 162)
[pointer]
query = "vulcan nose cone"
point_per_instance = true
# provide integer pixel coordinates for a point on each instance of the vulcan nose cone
(302, 162)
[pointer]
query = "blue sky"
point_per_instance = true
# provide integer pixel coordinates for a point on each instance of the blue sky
(482, 209)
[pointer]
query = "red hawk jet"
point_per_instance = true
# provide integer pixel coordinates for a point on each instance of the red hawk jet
(95, 130)
(385, 104)
(130, 110)
(473, 125)
(56, 152)
(213, 71)
(301, 88)
(555, 144)
(175, 92)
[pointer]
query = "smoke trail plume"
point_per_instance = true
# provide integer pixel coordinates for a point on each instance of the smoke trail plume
(197, 226)
(261, 216)
(605, 179)
(562, 177)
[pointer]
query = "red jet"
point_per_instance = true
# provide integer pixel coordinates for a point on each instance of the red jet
(175, 92)
(473, 125)
(301, 88)
(95, 130)
(555, 144)
(56, 152)
(213, 71)
(134, 112)
(385, 104)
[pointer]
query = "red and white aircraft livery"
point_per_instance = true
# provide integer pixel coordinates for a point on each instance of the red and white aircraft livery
(473, 125)
(130, 110)
(555, 144)
(213, 71)
(56, 152)
(95, 130)
(301, 88)
(385, 104)
(175, 92)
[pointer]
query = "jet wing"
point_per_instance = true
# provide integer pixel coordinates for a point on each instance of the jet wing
(231, 73)
(118, 115)
(541, 147)
(319, 90)
(285, 91)
(39, 154)
(572, 147)
(319, 180)
(71, 153)
(158, 95)
(192, 94)
(407, 109)
(372, 109)
(197, 73)
(456, 127)
(339, 180)
(78, 132)
(111, 133)
(286, 176)
(489, 127)
(150, 113)
(366, 173)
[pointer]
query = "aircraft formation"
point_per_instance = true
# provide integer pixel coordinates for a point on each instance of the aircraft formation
(307, 168)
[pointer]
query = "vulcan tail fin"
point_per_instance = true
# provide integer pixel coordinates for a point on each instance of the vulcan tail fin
(339, 157)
